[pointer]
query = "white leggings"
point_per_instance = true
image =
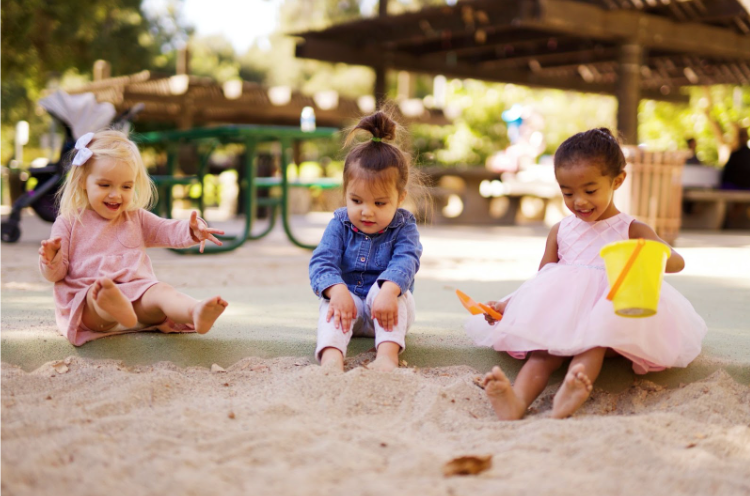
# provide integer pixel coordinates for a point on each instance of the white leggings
(363, 324)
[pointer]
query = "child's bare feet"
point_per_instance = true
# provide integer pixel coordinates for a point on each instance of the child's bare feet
(109, 299)
(331, 359)
(503, 399)
(383, 363)
(575, 389)
(386, 358)
(206, 312)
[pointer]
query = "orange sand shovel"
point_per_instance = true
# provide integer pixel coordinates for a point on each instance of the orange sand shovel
(476, 308)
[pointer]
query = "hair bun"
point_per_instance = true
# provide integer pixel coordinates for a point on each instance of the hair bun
(606, 132)
(379, 125)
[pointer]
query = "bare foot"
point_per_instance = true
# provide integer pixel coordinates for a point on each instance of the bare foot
(575, 389)
(332, 360)
(206, 312)
(503, 399)
(383, 363)
(110, 300)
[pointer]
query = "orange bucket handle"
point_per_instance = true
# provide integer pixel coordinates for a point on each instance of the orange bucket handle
(626, 269)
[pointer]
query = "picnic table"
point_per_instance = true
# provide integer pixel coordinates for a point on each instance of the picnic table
(476, 206)
(251, 136)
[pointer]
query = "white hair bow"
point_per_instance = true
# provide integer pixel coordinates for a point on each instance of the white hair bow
(83, 153)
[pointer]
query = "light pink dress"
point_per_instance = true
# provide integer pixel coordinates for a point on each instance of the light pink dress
(97, 247)
(563, 309)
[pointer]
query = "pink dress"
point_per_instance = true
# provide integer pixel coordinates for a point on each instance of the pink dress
(96, 247)
(563, 309)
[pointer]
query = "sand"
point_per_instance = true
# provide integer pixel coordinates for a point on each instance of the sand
(285, 426)
(281, 426)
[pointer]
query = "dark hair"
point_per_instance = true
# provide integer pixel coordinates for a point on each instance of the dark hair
(595, 145)
(370, 158)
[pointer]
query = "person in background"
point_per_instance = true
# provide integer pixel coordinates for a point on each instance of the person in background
(693, 159)
(736, 172)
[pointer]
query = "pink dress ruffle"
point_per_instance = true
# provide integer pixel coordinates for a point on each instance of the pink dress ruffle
(564, 310)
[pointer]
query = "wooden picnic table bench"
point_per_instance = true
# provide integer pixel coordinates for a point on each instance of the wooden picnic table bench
(477, 203)
(707, 208)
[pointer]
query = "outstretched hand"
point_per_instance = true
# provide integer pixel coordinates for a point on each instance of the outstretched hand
(49, 249)
(202, 232)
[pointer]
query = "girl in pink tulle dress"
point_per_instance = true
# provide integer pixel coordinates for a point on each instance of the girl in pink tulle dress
(563, 311)
(96, 255)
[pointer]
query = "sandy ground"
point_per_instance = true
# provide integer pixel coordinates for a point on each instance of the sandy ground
(283, 426)
(85, 425)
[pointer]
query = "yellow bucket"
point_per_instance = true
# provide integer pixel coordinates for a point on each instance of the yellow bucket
(635, 269)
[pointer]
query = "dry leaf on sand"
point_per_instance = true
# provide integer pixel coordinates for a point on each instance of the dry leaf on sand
(467, 465)
(60, 367)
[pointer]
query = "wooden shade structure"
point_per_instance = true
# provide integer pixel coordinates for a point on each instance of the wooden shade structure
(632, 49)
(190, 101)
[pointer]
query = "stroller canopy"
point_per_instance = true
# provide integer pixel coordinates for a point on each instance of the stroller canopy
(81, 113)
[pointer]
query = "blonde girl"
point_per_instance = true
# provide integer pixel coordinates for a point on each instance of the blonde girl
(96, 254)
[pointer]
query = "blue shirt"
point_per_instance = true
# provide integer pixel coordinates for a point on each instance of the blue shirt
(348, 256)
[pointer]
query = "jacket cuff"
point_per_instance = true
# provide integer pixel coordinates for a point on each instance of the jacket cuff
(326, 283)
(397, 277)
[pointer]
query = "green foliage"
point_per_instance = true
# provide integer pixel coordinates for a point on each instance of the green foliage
(665, 126)
(45, 40)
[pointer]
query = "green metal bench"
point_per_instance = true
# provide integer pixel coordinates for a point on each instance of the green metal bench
(250, 136)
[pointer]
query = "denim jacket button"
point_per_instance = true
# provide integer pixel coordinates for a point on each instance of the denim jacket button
(362, 259)
(367, 238)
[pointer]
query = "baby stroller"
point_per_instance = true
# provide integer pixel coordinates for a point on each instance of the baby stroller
(78, 115)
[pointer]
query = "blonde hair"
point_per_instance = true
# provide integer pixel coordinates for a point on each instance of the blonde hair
(106, 144)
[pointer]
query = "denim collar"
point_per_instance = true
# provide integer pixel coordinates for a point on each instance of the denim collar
(398, 220)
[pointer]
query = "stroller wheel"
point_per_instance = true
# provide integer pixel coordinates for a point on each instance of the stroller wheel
(10, 232)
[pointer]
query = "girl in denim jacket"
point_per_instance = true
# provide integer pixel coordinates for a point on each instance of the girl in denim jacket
(364, 268)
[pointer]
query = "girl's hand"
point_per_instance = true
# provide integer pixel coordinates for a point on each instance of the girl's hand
(496, 305)
(202, 232)
(49, 250)
(341, 308)
(675, 262)
(385, 306)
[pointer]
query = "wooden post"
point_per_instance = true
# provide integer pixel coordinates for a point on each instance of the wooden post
(380, 70)
(380, 93)
(183, 61)
(629, 91)
(102, 70)
(383, 8)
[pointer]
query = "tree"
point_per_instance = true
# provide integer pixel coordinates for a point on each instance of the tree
(42, 40)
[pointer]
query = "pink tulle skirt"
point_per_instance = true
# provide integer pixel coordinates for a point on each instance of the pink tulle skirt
(564, 311)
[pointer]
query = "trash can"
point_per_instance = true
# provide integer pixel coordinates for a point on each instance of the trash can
(652, 191)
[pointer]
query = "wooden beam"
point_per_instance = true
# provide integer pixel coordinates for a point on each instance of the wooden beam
(650, 31)
(466, 43)
(370, 56)
(430, 22)
(561, 58)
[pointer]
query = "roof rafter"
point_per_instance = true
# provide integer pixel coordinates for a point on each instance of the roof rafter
(333, 52)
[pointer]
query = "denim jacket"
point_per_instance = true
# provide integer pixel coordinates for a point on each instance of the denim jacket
(346, 255)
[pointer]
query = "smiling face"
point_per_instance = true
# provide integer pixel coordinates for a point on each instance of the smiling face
(372, 206)
(588, 192)
(110, 187)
